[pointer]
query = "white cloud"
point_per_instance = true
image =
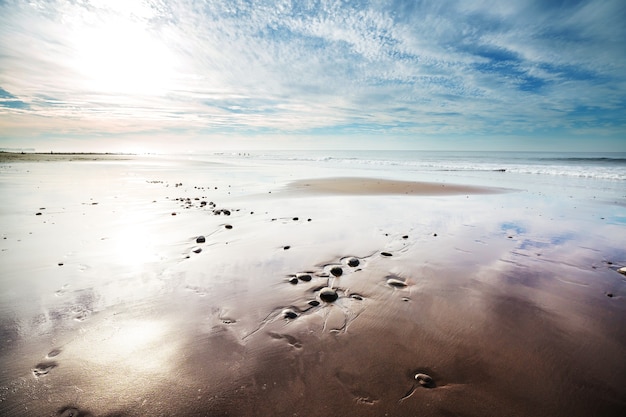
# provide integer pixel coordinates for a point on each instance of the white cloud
(292, 67)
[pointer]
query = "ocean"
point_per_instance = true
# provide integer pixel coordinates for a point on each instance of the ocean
(586, 175)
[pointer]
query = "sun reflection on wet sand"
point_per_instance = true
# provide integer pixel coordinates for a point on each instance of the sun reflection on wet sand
(132, 314)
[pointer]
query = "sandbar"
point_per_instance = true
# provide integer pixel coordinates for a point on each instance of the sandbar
(378, 186)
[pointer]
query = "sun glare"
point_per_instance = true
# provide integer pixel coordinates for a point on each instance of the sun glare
(123, 57)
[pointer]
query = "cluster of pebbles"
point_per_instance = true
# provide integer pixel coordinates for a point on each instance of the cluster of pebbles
(327, 292)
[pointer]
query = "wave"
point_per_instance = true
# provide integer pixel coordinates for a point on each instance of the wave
(608, 160)
(601, 167)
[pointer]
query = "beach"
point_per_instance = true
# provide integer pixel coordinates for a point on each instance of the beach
(237, 284)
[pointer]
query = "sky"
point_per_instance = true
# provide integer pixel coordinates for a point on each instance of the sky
(183, 75)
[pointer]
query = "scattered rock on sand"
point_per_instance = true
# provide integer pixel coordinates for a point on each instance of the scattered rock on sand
(293, 280)
(394, 282)
(328, 294)
(200, 239)
(289, 313)
(425, 380)
(336, 271)
(353, 262)
(304, 277)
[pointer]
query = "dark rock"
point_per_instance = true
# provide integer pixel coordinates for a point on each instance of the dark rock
(314, 303)
(386, 254)
(197, 250)
(336, 271)
(394, 282)
(289, 313)
(328, 294)
(353, 262)
(228, 226)
(37, 214)
(304, 277)
(295, 219)
(200, 239)
(293, 280)
(425, 380)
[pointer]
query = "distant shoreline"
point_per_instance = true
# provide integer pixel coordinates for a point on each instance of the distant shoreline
(6, 156)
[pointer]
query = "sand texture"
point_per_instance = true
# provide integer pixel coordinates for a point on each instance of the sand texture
(163, 287)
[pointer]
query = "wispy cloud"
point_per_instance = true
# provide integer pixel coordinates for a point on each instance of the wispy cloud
(427, 69)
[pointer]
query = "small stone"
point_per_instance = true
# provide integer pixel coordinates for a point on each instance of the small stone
(295, 219)
(396, 283)
(197, 250)
(353, 262)
(314, 303)
(424, 380)
(304, 277)
(357, 297)
(60, 264)
(37, 214)
(386, 254)
(610, 295)
(286, 247)
(293, 280)
(200, 239)
(336, 271)
(229, 226)
(435, 234)
(173, 214)
(328, 294)
(405, 237)
(622, 270)
(289, 313)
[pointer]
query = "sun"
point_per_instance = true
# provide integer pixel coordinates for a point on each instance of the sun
(118, 52)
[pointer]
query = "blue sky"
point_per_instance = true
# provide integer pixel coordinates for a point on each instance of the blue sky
(155, 75)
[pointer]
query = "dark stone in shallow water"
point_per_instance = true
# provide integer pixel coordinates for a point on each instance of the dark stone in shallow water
(336, 271)
(328, 294)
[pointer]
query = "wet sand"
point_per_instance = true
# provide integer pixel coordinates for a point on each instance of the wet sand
(377, 186)
(134, 288)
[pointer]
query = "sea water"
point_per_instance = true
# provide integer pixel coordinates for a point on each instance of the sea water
(585, 175)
